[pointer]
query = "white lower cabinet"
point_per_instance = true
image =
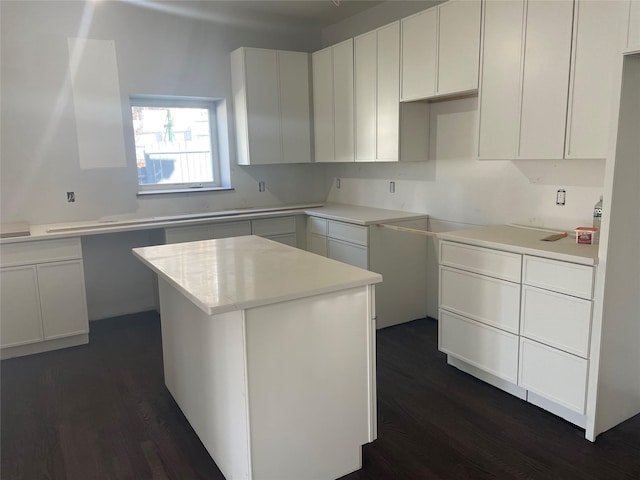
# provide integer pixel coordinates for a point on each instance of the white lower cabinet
(532, 330)
(43, 302)
(398, 257)
(279, 229)
(553, 374)
(490, 349)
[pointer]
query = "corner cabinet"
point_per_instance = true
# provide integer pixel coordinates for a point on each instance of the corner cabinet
(440, 51)
(333, 103)
(520, 322)
(546, 78)
(43, 299)
(399, 257)
(280, 229)
(271, 99)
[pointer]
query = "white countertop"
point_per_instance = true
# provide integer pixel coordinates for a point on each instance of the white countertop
(347, 213)
(362, 215)
(243, 272)
(525, 240)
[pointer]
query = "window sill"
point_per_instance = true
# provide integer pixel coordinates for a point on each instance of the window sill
(144, 193)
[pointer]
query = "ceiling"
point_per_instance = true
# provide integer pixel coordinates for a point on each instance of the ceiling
(301, 13)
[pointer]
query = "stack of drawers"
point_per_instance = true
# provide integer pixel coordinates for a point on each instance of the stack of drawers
(520, 318)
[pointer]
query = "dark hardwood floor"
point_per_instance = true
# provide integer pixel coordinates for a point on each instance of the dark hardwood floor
(102, 412)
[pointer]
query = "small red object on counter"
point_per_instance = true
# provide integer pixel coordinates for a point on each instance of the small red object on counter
(586, 235)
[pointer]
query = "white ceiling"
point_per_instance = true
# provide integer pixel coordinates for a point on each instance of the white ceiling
(301, 13)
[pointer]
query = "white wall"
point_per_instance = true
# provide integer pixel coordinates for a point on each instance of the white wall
(158, 52)
(455, 188)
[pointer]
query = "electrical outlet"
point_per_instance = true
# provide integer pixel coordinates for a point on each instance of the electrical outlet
(337, 183)
(71, 197)
(261, 186)
(561, 197)
(392, 186)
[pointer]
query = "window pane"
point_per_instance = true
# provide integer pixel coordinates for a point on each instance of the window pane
(173, 145)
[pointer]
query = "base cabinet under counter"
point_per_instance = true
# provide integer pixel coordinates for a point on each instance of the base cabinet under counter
(279, 229)
(43, 301)
(520, 322)
(399, 257)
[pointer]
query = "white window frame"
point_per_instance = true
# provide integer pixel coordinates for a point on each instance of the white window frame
(213, 105)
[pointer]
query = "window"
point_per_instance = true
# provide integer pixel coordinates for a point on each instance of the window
(177, 143)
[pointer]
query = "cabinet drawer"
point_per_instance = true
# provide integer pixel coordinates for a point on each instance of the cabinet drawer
(553, 374)
(355, 255)
(317, 244)
(563, 277)
(484, 347)
(191, 233)
(349, 232)
(318, 225)
(287, 239)
(273, 226)
(489, 300)
(231, 229)
(40, 251)
(494, 263)
(561, 321)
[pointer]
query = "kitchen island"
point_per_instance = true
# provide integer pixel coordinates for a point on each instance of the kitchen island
(270, 353)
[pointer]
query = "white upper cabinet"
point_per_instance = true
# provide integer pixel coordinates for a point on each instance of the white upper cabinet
(499, 103)
(333, 103)
(272, 106)
(366, 101)
(419, 55)
(388, 93)
(633, 34)
(547, 55)
(458, 46)
(546, 78)
(596, 44)
(440, 50)
(385, 130)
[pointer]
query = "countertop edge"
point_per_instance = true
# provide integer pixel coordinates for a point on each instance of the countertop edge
(87, 228)
(519, 249)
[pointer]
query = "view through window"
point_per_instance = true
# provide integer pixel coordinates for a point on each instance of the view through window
(175, 144)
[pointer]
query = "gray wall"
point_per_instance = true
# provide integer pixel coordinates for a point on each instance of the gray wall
(158, 52)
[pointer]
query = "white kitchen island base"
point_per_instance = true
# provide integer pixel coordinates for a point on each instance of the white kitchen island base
(279, 389)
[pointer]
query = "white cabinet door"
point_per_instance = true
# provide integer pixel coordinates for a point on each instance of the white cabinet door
(317, 244)
(263, 110)
(333, 103)
(555, 375)
(597, 25)
(633, 35)
(365, 80)
(419, 41)
(558, 320)
(484, 347)
(20, 321)
(322, 66)
(388, 115)
(458, 46)
(485, 299)
(272, 106)
(62, 299)
(230, 229)
(295, 114)
(343, 101)
(355, 255)
(545, 81)
(499, 103)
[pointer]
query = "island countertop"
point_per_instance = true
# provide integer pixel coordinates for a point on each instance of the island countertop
(242, 272)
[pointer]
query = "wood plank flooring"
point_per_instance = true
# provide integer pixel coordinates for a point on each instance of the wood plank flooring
(102, 412)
